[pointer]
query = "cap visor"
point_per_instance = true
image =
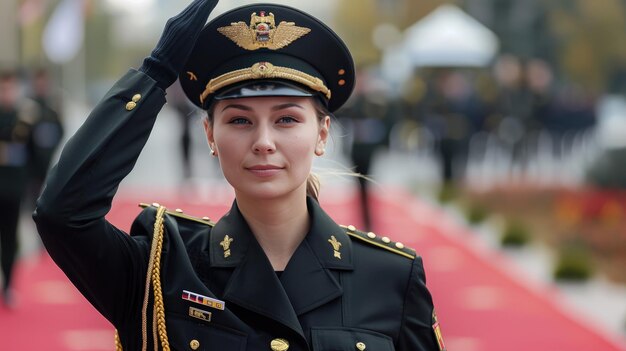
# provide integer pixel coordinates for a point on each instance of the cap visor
(262, 88)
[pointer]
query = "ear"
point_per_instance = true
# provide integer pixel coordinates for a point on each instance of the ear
(323, 136)
(208, 130)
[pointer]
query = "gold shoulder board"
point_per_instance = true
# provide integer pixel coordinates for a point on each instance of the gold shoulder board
(181, 214)
(380, 241)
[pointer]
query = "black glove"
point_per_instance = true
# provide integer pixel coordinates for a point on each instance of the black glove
(178, 39)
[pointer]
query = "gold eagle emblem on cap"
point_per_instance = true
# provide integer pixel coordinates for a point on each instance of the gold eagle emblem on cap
(263, 32)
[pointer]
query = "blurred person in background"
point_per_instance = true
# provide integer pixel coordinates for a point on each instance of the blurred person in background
(540, 81)
(276, 272)
(366, 120)
(47, 131)
(514, 104)
(185, 113)
(17, 116)
(453, 115)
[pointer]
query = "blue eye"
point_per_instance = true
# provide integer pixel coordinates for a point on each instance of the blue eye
(287, 119)
(239, 120)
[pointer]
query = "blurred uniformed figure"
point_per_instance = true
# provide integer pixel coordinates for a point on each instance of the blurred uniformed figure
(47, 130)
(366, 120)
(185, 112)
(16, 118)
(276, 272)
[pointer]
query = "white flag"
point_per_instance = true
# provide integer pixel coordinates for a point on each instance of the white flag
(64, 34)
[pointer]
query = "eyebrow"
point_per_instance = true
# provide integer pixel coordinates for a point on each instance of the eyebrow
(274, 108)
(287, 105)
(237, 106)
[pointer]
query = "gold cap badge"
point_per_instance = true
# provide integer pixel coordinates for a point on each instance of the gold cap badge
(263, 32)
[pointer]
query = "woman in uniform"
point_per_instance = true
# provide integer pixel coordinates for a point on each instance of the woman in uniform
(276, 272)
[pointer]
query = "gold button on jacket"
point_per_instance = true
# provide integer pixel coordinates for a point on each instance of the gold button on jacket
(279, 345)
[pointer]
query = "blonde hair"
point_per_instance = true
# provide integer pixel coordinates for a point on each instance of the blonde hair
(313, 186)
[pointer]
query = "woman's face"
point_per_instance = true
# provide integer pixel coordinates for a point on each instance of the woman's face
(266, 145)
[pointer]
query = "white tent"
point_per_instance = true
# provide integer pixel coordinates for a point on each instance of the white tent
(450, 37)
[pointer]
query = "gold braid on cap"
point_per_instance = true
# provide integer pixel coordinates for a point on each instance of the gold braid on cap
(264, 70)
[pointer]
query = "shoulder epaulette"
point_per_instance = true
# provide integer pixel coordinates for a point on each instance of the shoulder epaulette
(382, 242)
(181, 214)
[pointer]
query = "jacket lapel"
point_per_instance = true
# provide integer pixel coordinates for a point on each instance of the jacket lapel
(307, 282)
(253, 284)
(308, 279)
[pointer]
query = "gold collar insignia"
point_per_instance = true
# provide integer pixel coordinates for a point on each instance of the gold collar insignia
(226, 245)
(336, 245)
(263, 32)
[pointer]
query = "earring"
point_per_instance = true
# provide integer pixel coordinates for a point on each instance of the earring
(320, 152)
(213, 152)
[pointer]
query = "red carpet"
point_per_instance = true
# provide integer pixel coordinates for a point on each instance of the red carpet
(480, 305)
(51, 314)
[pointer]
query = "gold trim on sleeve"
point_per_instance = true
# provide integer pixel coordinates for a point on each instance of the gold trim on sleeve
(264, 70)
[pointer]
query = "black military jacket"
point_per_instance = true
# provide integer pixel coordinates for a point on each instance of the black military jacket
(219, 289)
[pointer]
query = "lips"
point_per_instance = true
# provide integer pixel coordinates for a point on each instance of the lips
(264, 170)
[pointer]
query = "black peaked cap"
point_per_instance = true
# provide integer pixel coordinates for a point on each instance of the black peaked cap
(235, 46)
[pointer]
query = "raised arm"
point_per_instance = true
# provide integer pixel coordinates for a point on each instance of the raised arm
(104, 263)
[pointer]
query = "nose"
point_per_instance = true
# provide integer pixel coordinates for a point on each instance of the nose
(264, 142)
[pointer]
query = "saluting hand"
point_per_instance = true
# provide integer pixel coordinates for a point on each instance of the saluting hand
(178, 39)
